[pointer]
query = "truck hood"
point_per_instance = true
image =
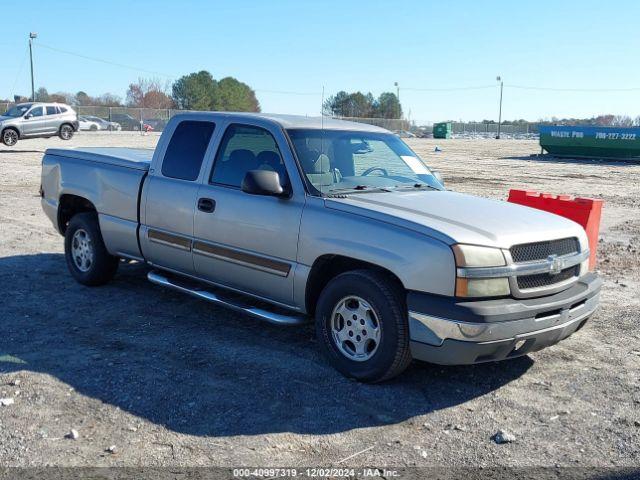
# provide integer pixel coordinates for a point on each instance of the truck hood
(459, 218)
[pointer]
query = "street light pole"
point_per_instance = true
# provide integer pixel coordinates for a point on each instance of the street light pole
(397, 96)
(32, 36)
(499, 79)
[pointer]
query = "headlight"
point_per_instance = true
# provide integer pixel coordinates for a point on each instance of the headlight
(472, 256)
(475, 256)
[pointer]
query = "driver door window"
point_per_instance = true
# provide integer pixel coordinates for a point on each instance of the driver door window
(245, 148)
(36, 112)
(36, 123)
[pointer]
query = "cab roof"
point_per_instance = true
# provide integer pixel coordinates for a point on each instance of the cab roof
(293, 121)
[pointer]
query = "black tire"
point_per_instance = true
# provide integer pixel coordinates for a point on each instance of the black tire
(102, 266)
(93, 128)
(387, 300)
(66, 131)
(10, 137)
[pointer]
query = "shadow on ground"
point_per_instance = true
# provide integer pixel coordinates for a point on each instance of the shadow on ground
(200, 369)
(21, 151)
(605, 162)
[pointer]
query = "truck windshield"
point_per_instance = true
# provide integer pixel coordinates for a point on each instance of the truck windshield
(338, 161)
(17, 111)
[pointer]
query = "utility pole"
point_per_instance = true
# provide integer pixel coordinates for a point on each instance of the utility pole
(32, 36)
(397, 96)
(499, 79)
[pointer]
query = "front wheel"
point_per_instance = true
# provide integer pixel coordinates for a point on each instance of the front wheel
(362, 327)
(10, 137)
(87, 258)
(66, 132)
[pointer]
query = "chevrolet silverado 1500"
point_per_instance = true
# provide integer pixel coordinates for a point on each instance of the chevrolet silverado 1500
(289, 218)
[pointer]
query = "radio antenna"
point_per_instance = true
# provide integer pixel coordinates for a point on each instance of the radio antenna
(322, 110)
(322, 128)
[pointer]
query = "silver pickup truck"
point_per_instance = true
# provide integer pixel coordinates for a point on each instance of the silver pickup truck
(290, 218)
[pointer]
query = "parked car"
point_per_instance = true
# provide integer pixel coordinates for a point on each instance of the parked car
(126, 121)
(328, 219)
(86, 124)
(103, 124)
(404, 134)
(33, 120)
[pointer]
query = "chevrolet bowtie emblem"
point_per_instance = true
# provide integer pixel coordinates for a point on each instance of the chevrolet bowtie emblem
(556, 265)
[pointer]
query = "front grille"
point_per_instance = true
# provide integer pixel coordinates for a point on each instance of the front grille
(546, 279)
(529, 252)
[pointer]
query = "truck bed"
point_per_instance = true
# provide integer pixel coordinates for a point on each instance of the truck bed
(110, 178)
(137, 158)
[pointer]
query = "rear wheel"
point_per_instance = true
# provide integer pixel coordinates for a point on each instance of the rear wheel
(87, 258)
(10, 137)
(362, 327)
(66, 132)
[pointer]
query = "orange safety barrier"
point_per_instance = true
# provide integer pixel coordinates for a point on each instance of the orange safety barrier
(584, 211)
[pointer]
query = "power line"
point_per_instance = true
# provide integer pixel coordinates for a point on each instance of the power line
(24, 60)
(409, 89)
(108, 62)
(130, 67)
(282, 92)
(551, 89)
(453, 89)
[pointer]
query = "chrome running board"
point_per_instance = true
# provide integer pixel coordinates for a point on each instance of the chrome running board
(262, 314)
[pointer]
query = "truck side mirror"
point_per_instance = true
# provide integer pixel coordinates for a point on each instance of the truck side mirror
(263, 182)
(28, 116)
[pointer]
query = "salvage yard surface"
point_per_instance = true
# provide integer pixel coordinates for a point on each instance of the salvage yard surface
(148, 377)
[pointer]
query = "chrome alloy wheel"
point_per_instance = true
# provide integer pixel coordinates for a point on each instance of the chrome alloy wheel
(82, 250)
(10, 137)
(66, 132)
(355, 328)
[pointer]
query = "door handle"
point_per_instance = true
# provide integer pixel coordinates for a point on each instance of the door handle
(206, 205)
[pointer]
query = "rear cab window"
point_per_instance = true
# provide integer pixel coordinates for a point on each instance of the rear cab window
(185, 152)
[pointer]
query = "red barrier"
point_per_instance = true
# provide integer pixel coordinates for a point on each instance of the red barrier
(584, 211)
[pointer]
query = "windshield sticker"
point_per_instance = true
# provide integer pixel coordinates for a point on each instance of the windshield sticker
(415, 164)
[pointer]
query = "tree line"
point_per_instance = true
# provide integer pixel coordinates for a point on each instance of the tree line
(195, 91)
(358, 104)
(608, 120)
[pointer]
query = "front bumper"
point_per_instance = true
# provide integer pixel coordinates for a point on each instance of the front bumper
(447, 331)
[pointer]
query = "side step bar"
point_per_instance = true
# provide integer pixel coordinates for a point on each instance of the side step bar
(262, 314)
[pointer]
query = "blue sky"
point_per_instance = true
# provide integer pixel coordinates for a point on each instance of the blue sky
(301, 46)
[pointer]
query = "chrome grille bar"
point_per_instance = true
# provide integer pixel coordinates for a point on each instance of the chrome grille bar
(551, 264)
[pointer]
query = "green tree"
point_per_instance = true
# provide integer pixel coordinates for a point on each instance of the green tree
(83, 99)
(195, 91)
(235, 96)
(42, 95)
(358, 104)
(344, 104)
(388, 106)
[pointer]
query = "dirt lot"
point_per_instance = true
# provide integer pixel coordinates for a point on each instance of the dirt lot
(170, 380)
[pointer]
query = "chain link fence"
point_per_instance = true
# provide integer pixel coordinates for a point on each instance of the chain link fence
(155, 119)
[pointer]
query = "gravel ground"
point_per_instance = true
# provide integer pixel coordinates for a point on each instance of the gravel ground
(172, 381)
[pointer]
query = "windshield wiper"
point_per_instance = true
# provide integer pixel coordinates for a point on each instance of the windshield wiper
(357, 188)
(415, 185)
